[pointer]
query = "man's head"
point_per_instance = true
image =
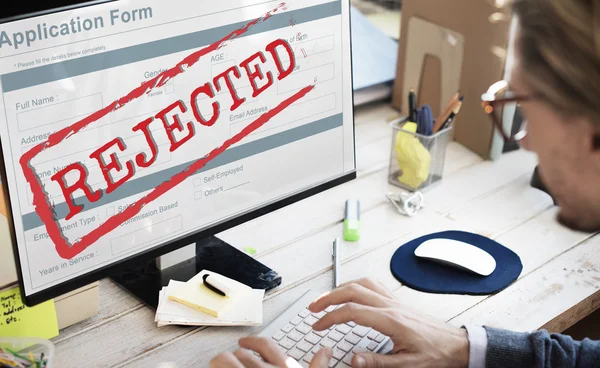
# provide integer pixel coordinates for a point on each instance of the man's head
(557, 53)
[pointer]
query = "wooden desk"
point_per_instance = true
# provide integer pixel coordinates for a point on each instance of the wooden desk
(558, 286)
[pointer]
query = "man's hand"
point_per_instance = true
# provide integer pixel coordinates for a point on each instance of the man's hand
(419, 341)
(268, 350)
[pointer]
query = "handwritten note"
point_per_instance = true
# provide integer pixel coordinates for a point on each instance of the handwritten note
(18, 320)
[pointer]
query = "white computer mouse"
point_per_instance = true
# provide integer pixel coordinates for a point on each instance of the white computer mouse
(457, 254)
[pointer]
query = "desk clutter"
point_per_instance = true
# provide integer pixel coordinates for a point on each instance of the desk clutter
(209, 299)
(419, 144)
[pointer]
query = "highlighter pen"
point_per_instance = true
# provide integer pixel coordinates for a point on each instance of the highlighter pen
(352, 221)
(214, 285)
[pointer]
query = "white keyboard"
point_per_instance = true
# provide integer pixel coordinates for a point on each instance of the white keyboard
(295, 337)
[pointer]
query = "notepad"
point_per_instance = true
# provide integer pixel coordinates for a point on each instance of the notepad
(248, 312)
(195, 294)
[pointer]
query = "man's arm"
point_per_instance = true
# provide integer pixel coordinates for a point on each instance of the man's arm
(538, 349)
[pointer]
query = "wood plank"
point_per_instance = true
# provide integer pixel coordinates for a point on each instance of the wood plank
(540, 233)
(108, 344)
(216, 340)
(327, 209)
(372, 123)
(517, 203)
(113, 302)
(546, 297)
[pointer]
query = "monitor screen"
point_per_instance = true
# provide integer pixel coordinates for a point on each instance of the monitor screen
(127, 126)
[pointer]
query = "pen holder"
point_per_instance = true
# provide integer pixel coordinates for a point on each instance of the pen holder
(416, 161)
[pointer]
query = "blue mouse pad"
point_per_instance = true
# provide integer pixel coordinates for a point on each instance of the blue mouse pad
(431, 277)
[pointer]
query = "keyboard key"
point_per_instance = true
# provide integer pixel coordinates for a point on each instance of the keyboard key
(316, 349)
(327, 342)
(360, 331)
(296, 353)
(305, 313)
(372, 345)
(348, 358)
(332, 363)
(380, 338)
(309, 357)
(353, 339)
(287, 343)
(310, 320)
(319, 315)
(330, 309)
(282, 349)
(322, 333)
(304, 364)
(279, 335)
(342, 365)
(312, 338)
(287, 328)
(359, 349)
(345, 346)
(338, 354)
(372, 334)
(295, 335)
(351, 324)
(303, 328)
(345, 329)
(296, 320)
(305, 346)
(335, 336)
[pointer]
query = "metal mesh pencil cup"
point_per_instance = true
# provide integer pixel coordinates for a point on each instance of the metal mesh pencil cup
(416, 161)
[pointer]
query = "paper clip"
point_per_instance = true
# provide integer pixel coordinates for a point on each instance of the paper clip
(408, 204)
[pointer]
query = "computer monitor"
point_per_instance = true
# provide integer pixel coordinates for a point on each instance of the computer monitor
(130, 129)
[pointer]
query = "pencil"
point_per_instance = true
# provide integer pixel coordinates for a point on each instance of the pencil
(452, 116)
(446, 113)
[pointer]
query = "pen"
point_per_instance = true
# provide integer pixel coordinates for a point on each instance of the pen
(412, 106)
(453, 114)
(336, 262)
(447, 111)
(212, 287)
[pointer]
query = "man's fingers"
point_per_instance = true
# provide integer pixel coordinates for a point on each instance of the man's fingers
(378, 360)
(267, 349)
(248, 359)
(350, 293)
(225, 360)
(376, 318)
(322, 358)
(373, 285)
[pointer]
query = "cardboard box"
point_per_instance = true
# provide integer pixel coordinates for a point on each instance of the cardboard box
(482, 63)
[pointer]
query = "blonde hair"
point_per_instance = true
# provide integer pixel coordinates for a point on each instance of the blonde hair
(559, 50)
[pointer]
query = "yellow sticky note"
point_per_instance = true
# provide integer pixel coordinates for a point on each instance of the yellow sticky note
(18, 320)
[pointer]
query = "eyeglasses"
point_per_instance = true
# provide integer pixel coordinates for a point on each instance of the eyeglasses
(498, 99)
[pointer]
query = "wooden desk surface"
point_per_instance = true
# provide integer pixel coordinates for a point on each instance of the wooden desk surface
(558, 286)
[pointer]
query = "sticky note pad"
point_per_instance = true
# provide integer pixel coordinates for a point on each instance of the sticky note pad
(196, 295)
(18, 320)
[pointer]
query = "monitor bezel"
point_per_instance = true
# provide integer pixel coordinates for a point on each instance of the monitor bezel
(180, 242)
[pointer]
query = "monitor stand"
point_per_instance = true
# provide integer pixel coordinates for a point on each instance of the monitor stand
(145, 279)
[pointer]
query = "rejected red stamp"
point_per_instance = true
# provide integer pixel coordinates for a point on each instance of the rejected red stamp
(251, 67)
